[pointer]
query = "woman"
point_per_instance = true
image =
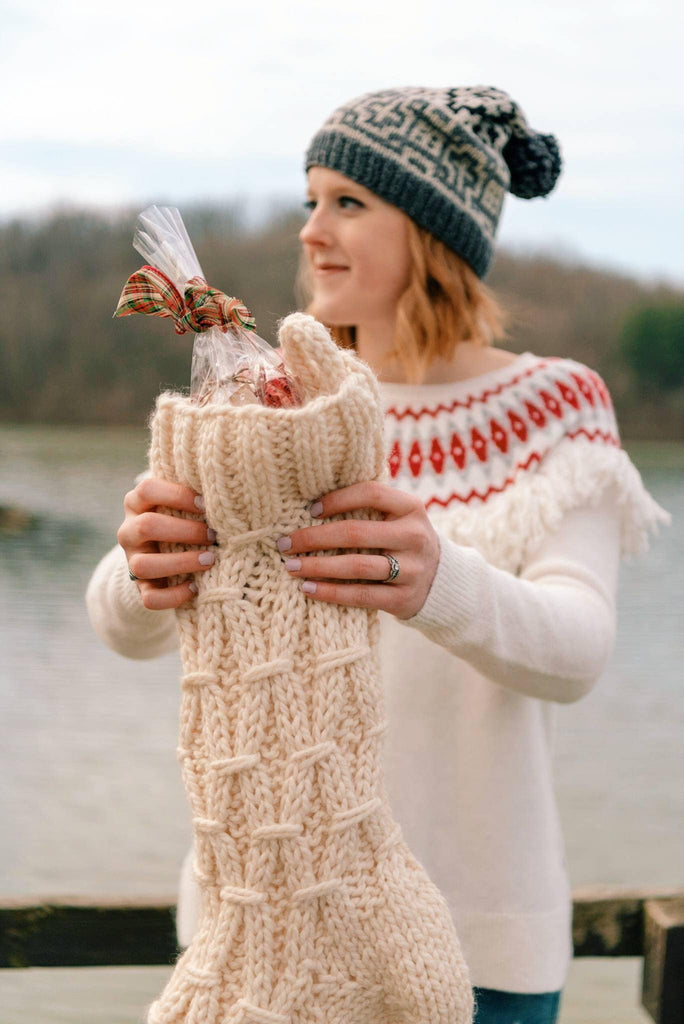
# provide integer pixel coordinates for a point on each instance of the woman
(509, 506)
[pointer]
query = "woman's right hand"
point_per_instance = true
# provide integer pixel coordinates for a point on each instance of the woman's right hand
(144, 527)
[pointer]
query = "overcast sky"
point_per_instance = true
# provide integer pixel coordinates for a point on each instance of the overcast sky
(104, 106)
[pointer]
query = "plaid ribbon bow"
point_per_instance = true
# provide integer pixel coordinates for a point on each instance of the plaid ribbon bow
(150, 291)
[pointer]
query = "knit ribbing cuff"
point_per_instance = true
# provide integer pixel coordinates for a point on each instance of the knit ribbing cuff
(259, 467)
(120, 618)
(454, 597)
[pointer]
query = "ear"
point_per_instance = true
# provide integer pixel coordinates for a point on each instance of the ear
(309, 352)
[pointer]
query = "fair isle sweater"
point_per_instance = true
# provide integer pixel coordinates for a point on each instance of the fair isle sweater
(534, 501)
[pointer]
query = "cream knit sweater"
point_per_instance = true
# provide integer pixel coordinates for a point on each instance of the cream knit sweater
(313, 909)
(523, 477)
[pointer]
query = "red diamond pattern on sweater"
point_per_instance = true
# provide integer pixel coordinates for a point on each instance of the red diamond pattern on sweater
(517, 425)
(458, 453)
(478, 444)
(473, 447)
(394, 460)
(568, 394)
(551, 403)
(601, 389)
(415, 458)
(535, 414)
(583, 385)
(499, 436)
(436, 455)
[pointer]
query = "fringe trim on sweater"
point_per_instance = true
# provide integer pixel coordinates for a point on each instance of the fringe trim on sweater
(510, 526)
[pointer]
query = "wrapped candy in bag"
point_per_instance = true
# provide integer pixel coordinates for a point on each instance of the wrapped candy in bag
(230, 362)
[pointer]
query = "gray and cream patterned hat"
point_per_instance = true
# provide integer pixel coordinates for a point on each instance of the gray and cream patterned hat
(445, 157)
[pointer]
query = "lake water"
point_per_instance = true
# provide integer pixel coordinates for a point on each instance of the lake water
(92, 800)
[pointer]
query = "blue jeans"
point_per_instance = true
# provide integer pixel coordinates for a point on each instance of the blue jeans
(494, 1007)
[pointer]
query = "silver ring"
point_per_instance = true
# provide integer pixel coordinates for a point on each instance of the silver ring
(394, 569)
(133, 576)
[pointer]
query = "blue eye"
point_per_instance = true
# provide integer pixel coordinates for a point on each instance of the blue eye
(310, 204)
(349, 199)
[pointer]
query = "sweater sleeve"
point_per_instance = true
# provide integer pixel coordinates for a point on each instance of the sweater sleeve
(118, 615)
(547, 633)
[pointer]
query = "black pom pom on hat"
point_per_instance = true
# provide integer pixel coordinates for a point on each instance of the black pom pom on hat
(534, 163)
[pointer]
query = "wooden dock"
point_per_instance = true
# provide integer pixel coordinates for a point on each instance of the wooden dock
(100, 932)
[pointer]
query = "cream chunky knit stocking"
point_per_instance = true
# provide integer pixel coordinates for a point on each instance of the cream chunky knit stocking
(313, 909)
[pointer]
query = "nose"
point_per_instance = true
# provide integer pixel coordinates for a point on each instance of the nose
(316, 231)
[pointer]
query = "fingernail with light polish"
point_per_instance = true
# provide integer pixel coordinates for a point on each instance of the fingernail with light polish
(283, 544)
(192, 587)
(199, 502)
(316, 508)
(309, 587)
(207, 558)
(211, 534)
(291, 564)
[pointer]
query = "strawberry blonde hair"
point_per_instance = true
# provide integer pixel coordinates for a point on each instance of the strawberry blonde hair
(445, 303)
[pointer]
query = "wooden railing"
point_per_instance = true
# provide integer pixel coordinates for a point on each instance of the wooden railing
(115, 932)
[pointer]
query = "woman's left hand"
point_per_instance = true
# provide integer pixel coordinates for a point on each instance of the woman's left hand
(406, 533)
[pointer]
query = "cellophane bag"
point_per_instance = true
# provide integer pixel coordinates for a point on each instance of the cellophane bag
(230, 362)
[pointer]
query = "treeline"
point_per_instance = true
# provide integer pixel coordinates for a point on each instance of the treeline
(63, 359)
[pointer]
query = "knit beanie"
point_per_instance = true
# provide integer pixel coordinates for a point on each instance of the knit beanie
(443, 156)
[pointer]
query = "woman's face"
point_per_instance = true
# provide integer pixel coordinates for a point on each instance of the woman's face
(357, 248)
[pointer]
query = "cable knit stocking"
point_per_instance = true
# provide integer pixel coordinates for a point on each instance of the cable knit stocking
(313, 909)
